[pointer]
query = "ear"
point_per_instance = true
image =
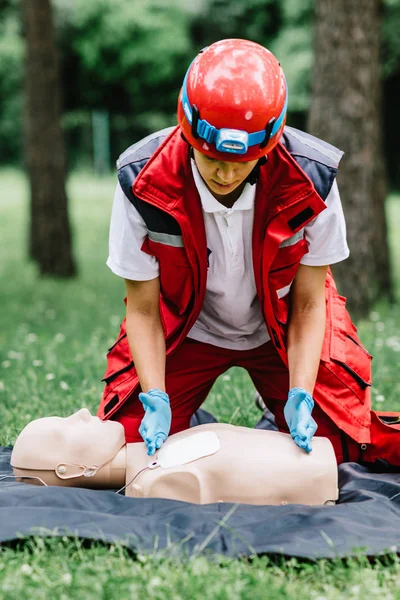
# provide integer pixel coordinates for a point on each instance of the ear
(68, 471)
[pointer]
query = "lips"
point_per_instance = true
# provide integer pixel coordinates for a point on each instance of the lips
(223, 186)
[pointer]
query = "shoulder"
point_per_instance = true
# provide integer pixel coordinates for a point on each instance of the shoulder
(132, 161)
(317, 158)
(129, 165)
(143, 149)
(307, 146)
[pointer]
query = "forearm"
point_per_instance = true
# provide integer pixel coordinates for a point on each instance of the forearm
(147, 346)
(305, 336)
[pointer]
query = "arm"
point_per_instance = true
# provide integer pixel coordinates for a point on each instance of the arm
(306, 328)
(147, 345)
(305, 336)
(145, 333)
(326, 237)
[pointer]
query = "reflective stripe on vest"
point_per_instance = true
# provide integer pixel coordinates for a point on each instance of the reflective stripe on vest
(167, 239)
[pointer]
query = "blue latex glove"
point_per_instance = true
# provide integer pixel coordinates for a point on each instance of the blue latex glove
(156, 422)
(297, 413)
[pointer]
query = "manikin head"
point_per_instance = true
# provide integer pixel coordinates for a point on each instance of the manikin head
(70, 448)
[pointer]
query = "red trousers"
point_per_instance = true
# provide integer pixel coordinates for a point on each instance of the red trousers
(191, 372)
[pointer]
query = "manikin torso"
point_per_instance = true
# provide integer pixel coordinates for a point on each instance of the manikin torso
(250, 466)
(240, 464)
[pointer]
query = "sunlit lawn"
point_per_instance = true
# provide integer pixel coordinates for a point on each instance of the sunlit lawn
(53, 338)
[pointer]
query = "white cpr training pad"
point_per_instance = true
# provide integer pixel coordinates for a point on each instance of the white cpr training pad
(187, 450)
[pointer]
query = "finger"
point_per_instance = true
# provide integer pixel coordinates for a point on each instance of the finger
(302, 444)
(314, 426)
(301, 429)
(160, 439)
(311, 429)
(150, 449)
(150, 433)
(147, 400)
(297, 440)
(143, 431)
(307, 447)
(310, 434)
(307, 443)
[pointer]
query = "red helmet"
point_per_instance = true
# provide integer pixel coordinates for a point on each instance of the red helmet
(232, 105)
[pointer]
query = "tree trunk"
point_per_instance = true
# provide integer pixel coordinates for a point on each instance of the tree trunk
(50, 235)
(346, 111)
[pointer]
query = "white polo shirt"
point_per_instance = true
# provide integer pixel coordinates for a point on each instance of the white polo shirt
(231, 315)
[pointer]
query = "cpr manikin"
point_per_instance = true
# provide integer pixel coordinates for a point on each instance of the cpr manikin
(208, 463)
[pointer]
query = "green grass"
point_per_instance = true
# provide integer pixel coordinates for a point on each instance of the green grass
(101, 572)
(53, 338)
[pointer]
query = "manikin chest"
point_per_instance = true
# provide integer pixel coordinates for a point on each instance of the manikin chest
(249, 466)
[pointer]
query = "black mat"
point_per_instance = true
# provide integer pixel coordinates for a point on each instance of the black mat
(365, 521)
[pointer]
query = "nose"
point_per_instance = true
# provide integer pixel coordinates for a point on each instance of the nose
(226, 173)
(82, 415)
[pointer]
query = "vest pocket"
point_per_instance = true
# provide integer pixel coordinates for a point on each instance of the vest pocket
(119, 359)
(354, 370)
(349, 361)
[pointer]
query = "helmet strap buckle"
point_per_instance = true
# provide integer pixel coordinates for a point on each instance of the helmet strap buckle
(268, 131)
(195, 120)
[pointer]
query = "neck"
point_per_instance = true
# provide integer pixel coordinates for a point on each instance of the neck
(117, 468)
(136, 460)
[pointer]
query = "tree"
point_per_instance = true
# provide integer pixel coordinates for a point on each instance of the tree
(126, 57)
(50, 235)
(346, 111)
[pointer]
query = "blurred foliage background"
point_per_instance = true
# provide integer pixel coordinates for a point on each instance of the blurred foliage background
(123, 61)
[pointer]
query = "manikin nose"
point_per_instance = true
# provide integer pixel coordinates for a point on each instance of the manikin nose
(83, 414)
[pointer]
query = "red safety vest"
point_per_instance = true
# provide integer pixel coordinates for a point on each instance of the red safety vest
(286, 200)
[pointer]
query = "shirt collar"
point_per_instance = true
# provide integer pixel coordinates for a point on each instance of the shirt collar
(211, 204)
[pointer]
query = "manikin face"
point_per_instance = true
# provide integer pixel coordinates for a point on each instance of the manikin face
(223, 177)
(79, 439)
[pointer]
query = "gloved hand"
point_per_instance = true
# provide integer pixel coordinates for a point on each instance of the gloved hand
(156, 422)
(297, 413)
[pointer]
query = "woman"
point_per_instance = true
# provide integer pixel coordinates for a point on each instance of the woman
(224, 229)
